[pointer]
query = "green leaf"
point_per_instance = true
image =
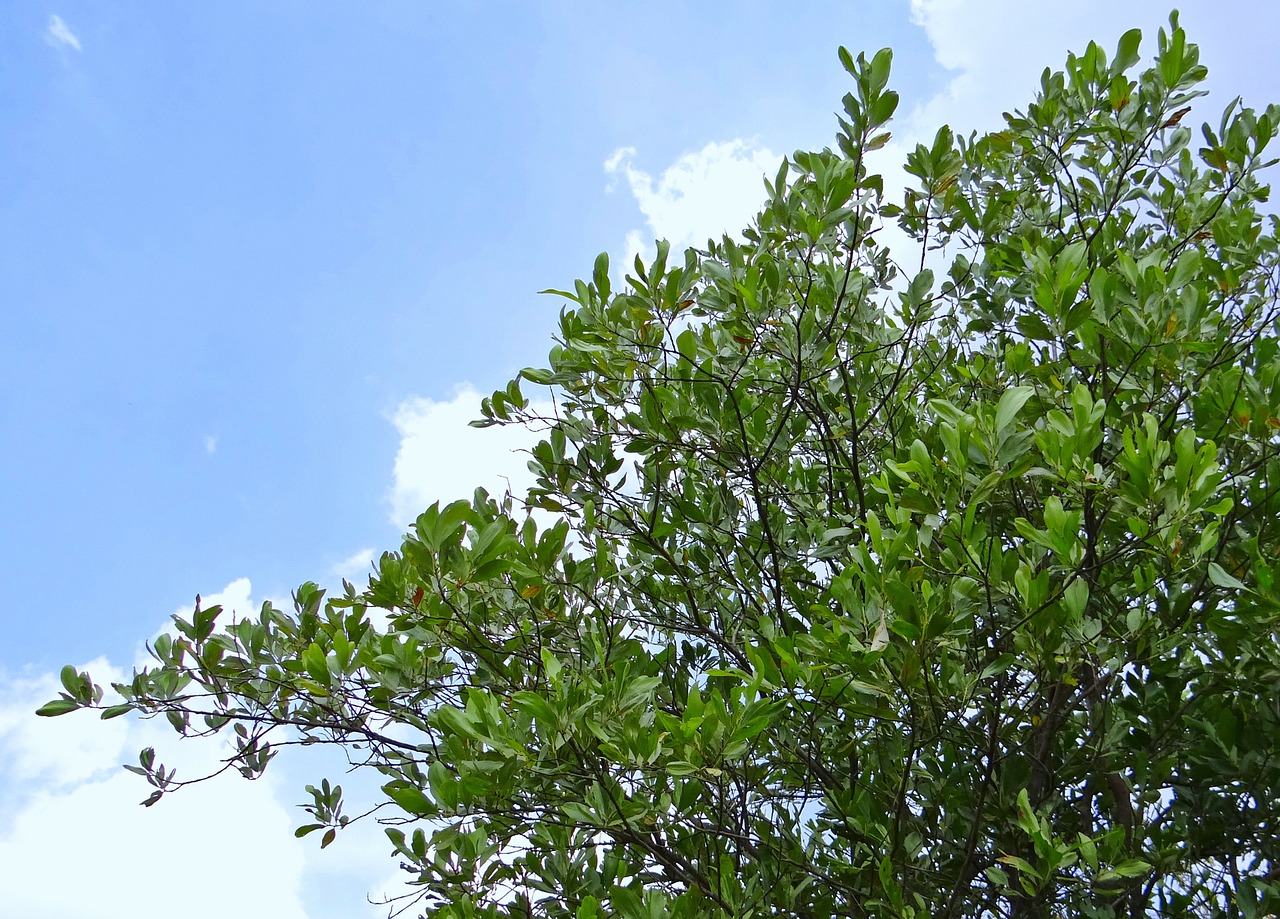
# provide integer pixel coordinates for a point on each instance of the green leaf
(1034, 327)
(1010, 404)
(880, 140)
(1219, 576)
(920, 286)
(881, 65)
(455, 720)
(561, 293)
(536, 706)
(1088, 850)
(846, 61)
(1132, 868)
(71, 681)
(600, 275)
(317, 664)
(535, 375)
(1026, 814)
(411, 800)
(1076, 597)
(1127, 50)
(579, 813)
(687, 345)
(1021, 864)
(57, 707)
(1171, 61)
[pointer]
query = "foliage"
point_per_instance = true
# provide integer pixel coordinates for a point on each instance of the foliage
(868, 588)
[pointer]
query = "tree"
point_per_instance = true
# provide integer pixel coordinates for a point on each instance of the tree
(941, 584)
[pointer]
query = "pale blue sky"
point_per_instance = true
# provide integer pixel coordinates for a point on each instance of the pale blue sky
(250, 251)
(269, 223)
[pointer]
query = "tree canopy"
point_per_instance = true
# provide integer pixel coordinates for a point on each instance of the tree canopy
(940, 581)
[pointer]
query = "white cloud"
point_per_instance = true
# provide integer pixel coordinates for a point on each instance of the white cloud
(700, 196)
(615, 161)
(441, 458)
(59, 33)
(130, 860)
(55, 752)
(65, 801)
(354, 567)
(210, 444)
(235, 599)
(998, 49)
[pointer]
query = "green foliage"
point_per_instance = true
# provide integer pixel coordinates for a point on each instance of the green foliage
(941, 583)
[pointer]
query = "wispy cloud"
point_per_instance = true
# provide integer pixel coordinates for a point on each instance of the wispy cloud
(210, 444)
(354, 566)
(59, 33)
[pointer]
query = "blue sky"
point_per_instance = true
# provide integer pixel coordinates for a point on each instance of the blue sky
(252, 254)
(234, 237)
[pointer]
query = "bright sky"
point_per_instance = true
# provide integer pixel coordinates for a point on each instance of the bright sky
(257, 260)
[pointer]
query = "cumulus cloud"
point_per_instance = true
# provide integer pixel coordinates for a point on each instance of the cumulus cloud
(59, 33)
(65, 801)
(128, 859)
(54, 752)
(700, 196)
(442, 458)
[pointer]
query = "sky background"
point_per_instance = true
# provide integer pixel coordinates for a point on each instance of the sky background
(259, 260)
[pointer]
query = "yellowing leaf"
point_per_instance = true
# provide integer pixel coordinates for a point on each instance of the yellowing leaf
(881, 638)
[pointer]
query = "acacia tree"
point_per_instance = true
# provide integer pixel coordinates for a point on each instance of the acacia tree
(870, 590)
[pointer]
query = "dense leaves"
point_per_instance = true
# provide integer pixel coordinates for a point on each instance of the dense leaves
(940, 582)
